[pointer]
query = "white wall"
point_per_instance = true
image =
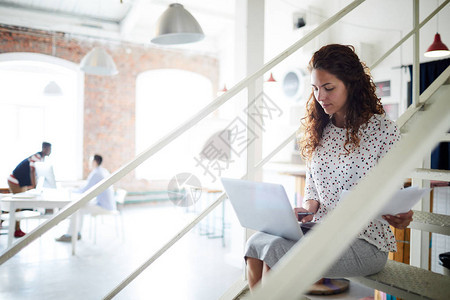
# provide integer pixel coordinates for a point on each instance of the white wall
(373, 28)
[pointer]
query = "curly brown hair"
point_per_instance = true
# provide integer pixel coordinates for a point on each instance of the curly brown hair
(362, 102)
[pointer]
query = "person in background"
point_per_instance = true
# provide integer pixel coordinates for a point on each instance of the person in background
(23, 177)
(346, 133)
(104, 201)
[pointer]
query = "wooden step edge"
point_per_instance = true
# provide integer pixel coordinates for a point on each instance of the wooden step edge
(431, 222)
(236, 290)
(445, 138)
(240, 291)
(408, 282)
(431, 174)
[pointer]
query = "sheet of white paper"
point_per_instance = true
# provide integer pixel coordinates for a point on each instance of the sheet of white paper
(402, 201)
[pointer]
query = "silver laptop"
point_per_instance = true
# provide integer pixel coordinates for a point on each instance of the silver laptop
(263, 206)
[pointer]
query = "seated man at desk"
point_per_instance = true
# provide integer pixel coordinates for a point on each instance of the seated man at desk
(23, 177)
(104, 201)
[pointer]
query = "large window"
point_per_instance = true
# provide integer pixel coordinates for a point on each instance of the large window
(28, 116)
(166, 98)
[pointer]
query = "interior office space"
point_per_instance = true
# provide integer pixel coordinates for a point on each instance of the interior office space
(158, 87)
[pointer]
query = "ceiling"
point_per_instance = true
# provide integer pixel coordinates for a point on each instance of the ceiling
(134, 20)
(129, 20)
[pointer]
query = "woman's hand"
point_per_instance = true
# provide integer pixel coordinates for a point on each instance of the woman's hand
(307, 218)
(400, 221)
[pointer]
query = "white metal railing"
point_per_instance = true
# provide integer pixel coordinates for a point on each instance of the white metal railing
(412, 109)
(272, 294)
(439, 137)
(131, 277)
(294, 274)
(419, 241)
(188, 227)
(75, 206)
(429, 174)
(104, 184)
(416, 56)
(409, 34)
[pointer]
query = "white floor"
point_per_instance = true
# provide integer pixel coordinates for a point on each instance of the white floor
(196, 268)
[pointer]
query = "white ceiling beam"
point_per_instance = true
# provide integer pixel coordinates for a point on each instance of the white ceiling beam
(24, 8)
(196, 7)
(56, 22)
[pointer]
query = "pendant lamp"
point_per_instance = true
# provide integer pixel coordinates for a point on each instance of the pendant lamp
(271, 79)
(52, 89)
(177, 26)
(438, 48)
(98, 62)
(222, 91)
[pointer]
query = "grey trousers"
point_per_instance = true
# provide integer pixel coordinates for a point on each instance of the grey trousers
(360, 259)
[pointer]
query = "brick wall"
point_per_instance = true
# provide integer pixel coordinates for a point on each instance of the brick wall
(109, 101)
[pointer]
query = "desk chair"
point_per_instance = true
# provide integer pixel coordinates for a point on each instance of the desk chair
(20, 215)
(119, 195)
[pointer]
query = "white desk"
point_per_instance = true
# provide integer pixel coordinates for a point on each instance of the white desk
(47, 199)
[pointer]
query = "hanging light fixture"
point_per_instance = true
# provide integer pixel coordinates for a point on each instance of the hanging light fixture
(271, 79)
(222, 91)
(52, 89)
(438, 48)
(177, 26)
(98, 62)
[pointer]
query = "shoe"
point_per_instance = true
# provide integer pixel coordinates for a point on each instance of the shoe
(19, 233)
(67, 238)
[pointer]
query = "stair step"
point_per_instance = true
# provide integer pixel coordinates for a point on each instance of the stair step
(243, 294)
(246, 293)
(446, 137)
(431, 174)
(240, 291)
(431, 222)
(236, 291)
(408, 282)
(397, 279)
(405, 129)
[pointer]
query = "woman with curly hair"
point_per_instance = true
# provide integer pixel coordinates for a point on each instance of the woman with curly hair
(346, 132)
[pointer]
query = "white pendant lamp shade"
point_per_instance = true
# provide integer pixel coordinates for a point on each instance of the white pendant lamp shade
(52, 89)
(98, 62)
(177, 26)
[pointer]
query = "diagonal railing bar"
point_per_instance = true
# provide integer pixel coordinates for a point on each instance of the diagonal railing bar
(189, 226)
(194, 120)
(116, 176)
(434, 86)
(307, 38)
(164, 248)
(287, 280)
(199, 218)
(407, 36)
(424, 98)
(276, 150)
(431, 89)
